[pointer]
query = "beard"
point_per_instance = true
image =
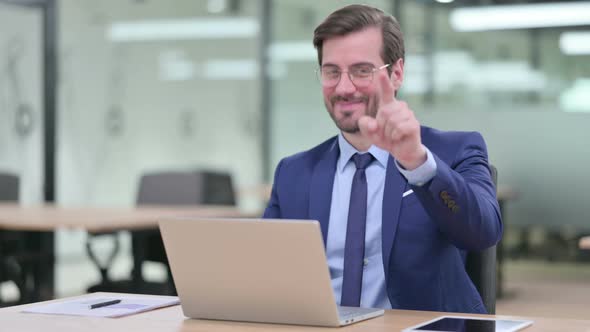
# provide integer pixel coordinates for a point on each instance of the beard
(344, 121)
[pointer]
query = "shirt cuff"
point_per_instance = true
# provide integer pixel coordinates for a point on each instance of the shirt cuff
(422, 174)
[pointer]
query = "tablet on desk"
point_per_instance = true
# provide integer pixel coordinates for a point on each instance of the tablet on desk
(470, 324)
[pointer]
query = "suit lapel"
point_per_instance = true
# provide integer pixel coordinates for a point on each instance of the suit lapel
(322, 182)
(394, 187)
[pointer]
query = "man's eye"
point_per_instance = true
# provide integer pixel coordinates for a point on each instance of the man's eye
(363, 71)
(331, 73)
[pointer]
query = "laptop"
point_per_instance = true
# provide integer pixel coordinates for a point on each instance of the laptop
(254, 270)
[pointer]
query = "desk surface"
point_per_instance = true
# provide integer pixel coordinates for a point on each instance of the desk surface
(172, 319)
(98, 219)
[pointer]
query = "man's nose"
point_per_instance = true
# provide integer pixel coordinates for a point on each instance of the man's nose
(345, 85)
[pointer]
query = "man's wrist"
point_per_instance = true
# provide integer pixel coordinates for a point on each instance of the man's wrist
(423, 173)
(415, 162)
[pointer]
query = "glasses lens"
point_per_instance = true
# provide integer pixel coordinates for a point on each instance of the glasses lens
(362, 72)
(329, 76)
(362, 75)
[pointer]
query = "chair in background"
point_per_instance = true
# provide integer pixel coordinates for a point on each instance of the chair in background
(173, 188)
(9, 187)
(481, 267)
(161, 188)
(12, 243)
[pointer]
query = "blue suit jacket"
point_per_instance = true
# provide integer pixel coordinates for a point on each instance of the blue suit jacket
(425, 235)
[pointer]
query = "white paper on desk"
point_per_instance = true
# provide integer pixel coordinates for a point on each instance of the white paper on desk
(129, 305)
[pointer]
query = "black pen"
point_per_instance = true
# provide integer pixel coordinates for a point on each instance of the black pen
(104, 304)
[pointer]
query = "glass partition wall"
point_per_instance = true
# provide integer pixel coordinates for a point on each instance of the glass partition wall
(151, 86)
(155, 85)
(22, 111)
(21, 98)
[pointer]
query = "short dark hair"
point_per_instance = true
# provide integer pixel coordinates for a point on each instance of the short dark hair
(355, 18)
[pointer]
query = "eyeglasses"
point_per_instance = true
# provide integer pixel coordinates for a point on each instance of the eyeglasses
(360, 75)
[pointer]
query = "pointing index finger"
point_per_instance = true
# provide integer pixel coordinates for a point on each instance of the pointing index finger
(387, 90)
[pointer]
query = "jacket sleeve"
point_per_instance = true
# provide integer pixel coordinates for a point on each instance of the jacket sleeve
(461, 197)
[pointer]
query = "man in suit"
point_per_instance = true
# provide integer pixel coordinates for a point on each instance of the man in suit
(399, 204)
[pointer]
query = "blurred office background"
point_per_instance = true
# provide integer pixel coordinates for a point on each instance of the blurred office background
(229, 85)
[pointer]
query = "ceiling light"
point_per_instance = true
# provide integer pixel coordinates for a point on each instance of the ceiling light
(195, 28)
(520, 16)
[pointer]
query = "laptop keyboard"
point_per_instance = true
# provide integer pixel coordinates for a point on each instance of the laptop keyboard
(346, 312)
(350, 312)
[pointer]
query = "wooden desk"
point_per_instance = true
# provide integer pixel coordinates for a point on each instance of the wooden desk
(585, 243)
(43, 220)
(172, 319)
(98, 219)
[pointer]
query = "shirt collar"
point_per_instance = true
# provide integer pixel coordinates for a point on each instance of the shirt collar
(347, 151)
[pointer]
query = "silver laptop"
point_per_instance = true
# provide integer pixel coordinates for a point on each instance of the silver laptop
(271, 271)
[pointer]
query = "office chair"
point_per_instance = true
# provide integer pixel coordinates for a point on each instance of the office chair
(11, 242)
(160, 188)
(481, 267)
(173, 188)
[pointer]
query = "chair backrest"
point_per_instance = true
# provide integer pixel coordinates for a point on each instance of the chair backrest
(180, 188)
(186, 188)
(9, 187)
(481, 267)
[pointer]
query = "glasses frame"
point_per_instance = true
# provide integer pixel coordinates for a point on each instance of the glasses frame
(318, 72)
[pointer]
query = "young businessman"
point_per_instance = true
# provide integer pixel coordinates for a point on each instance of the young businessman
(399, 204)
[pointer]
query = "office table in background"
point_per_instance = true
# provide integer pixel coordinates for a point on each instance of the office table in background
(172, 319)
(101, 219)
(43, 220)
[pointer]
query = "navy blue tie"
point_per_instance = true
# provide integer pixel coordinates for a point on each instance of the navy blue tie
(354, 249)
